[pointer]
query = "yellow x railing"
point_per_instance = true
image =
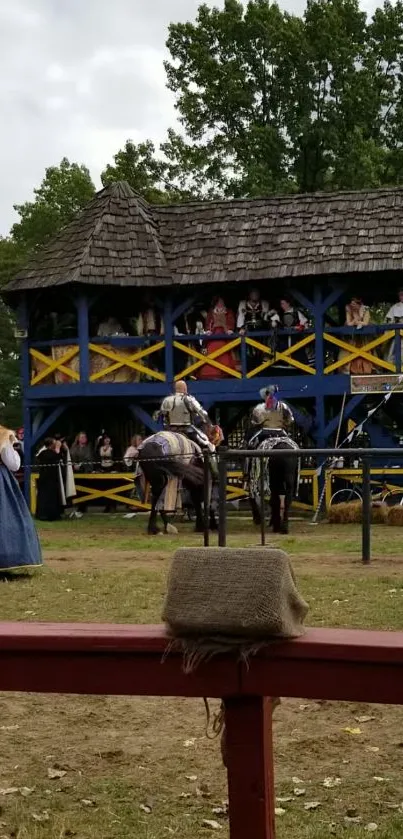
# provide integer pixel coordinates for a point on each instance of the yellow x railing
(124, 360)
(363, 352)
(51, 365)
(286, 355)
(91, 493)
(210, 359)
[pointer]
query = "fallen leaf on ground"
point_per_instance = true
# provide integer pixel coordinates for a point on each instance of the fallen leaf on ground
(381, 779)
(297, 781)
(88, 802)
(9, 790)
(188, 743)
(349, 730)
(146, 808)
(41, 817)
(211, 824)
(312, 805)
(9, 727)
(352, 819)
(285, 799)
(279, 811)
(371, 827)
(329, 783)
(364, 718)
(54, 774)
(299, 791)
(25, 791)
(191, 777)
(373, 749)
(220, 811)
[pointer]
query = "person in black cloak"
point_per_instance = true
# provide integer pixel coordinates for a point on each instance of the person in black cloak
(51, 499)
(19, 544)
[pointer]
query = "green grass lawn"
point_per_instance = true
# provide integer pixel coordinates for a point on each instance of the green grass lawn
(142, 767)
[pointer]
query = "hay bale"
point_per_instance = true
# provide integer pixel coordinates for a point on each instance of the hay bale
(351, 513)
(395, 516)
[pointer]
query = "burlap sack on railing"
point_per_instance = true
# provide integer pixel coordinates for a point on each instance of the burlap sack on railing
(222, 599)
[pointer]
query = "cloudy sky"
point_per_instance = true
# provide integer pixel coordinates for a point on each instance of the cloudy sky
(78, 78)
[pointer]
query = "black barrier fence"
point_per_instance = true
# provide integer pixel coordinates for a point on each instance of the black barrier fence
(324, 458)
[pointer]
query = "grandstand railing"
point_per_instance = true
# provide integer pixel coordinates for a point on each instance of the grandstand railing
(133, 359)
(330, 664)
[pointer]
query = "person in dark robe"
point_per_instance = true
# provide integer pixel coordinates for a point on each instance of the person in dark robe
(50, 500)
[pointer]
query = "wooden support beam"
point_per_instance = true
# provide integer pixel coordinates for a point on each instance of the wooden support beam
(250, 766)
(41, 430)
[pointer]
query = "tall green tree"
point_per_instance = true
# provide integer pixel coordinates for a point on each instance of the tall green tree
(144, 172)
(271, 102)
(64, 191)
(10, 387)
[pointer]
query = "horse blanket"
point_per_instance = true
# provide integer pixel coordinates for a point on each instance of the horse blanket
(173, 444)
(255, 463)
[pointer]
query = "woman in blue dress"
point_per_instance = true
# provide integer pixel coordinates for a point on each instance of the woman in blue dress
(19, 544)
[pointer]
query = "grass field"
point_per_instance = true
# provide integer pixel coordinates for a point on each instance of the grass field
(143, 768)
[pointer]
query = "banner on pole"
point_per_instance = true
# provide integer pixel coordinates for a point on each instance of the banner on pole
(377, 384)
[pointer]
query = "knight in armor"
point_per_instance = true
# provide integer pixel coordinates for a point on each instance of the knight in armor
(181, 412)
(270, 418)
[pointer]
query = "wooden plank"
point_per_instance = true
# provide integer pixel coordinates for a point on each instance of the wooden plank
(115, 673)
(249, 753)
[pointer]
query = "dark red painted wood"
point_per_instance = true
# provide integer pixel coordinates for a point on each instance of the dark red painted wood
(114, 672)
(107, 659)
(250, 767)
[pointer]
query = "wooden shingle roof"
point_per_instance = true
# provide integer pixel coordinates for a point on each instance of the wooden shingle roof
(121, 240)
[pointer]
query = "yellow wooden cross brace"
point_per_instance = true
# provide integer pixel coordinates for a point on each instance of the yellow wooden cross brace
(127, 361)
(208, 359)
(360, 352)
(284, 356)
(54, 364)
(114, 494)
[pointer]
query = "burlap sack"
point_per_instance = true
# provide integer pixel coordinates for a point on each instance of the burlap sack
(225, 598)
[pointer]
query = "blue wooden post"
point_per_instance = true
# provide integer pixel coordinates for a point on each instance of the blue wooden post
(168, 333)
(28, 452)
(23, 323)
(398, 351)
(319, 342)
(83, 337)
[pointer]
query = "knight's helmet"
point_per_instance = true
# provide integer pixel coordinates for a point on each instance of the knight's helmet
(271, 390)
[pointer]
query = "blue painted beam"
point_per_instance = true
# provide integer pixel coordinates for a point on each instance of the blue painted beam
(144, 417)
(220, 390)
(47, 423)
(83, 337)
(350, 406)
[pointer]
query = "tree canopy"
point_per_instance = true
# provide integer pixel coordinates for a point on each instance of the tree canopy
(271, 102)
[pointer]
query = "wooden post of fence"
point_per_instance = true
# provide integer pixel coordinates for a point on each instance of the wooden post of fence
(250, 767)
(206, 498)
(222, 501)
(366, 511)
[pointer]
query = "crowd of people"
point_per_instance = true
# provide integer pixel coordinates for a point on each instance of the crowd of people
(57, 465)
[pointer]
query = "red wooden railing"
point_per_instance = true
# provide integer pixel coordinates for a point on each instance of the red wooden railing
(105, 659)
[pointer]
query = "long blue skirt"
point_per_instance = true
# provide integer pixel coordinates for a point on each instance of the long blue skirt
(19, 543)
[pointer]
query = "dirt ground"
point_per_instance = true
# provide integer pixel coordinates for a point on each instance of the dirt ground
(307, 562)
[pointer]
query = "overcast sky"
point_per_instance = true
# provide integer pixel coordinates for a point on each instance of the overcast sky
(77, 79)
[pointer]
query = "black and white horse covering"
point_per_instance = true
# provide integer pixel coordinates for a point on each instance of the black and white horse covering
(281, 479)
